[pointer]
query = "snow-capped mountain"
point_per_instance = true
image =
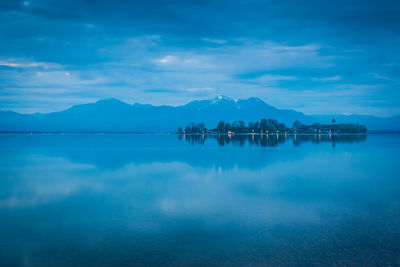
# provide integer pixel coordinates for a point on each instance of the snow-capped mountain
(114, 115)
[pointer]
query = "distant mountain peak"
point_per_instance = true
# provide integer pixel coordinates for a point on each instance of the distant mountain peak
(110, 101)
(221, 98)
(256, 99)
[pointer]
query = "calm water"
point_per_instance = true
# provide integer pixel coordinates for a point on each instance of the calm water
(79, 200)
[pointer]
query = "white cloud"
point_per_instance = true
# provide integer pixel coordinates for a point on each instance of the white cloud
(381, 77)
(327, 79)
(168, 60)
(202, 89)
(24, 63)
(234, 59)
(215, 41)
(271, 78)
(61, 78)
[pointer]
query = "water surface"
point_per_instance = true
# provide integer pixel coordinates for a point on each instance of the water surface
(84, 200)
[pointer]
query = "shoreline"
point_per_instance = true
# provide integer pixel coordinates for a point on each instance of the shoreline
(190, 134)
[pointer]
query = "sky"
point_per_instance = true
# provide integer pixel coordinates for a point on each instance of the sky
(315, 56)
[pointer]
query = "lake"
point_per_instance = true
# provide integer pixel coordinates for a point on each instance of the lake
(161, 200)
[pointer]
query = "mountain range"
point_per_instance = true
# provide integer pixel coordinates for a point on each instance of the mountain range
(113, 115)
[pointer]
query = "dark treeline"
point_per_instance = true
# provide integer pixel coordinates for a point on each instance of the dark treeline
(272, 140)
(343, 128)
(273, 126)
(193, 128)
(264, 125)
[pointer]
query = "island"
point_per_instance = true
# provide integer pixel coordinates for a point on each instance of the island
(271, 126)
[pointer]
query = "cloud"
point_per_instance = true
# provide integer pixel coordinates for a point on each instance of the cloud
(271, 78)
(24, 63)
(168, 60)
(215, 41)
(246, 55)
(327, 79)
(202, 89)
(381, 77)
(61, 78)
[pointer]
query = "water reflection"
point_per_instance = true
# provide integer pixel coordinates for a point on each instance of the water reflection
(115, 151)
(271, 140)
(156, 200)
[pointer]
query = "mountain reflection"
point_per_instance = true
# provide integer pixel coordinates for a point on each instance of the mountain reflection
(272, 140)
(114, 151)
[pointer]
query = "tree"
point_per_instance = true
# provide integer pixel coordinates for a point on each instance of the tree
(251, 126)
(227, 127)
(194, 128)
(281, 127)
(179, 130)
(333, 121)
(238, 126)
(201, 127)
(221, 126)
(363, 129)
(297, 124)
(263, 125)
(272, 122)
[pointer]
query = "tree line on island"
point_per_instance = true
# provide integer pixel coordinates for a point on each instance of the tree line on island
(273, 126)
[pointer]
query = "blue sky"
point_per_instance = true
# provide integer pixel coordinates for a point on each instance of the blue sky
(318, 57)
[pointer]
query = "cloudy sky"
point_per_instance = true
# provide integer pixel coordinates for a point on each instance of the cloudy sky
(318, 57)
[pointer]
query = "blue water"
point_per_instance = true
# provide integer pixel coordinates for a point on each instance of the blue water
(159, 200)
